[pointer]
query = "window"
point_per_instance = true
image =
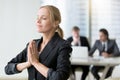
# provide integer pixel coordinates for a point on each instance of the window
(74, 13)
(105, 14)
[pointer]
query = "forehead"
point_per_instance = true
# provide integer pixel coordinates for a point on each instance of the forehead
(75, 30)
(101, 33)
(43, 12)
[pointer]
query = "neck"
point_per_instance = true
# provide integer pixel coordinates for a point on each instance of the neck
(105, 41)
(47, 37)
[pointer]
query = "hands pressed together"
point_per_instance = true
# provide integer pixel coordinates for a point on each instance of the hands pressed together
(33, 55)
(33, 60)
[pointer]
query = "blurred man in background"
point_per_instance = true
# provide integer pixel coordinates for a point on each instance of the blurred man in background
(107, 48)
(77, 40)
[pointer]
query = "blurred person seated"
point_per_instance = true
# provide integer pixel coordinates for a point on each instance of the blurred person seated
(77, 40)
(107, 48)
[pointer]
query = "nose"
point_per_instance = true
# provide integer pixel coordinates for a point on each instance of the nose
(38, 20)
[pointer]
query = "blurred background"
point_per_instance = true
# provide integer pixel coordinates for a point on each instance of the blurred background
(17, 23)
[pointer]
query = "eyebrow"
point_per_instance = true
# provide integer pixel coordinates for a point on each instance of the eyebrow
(41, 16)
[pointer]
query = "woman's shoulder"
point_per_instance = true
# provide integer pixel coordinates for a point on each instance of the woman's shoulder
(64, 44)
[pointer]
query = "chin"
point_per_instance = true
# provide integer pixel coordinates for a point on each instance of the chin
(102, 40)
(39, 31)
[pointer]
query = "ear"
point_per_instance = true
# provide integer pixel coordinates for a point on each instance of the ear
(56, 23)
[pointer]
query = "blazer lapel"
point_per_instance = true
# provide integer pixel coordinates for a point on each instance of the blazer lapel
(108, 45)
(48, 48)
(100, 46)
(46, 51)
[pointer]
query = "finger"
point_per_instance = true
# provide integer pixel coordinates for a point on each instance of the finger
(29, 53)
(33, 46)
(29, 50)
(35, 49)
(30, 45)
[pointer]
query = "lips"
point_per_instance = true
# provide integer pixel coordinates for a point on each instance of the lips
(38, 25)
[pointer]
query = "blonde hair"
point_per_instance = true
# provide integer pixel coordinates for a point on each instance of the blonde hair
(55, 16)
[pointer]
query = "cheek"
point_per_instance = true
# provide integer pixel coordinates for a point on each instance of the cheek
(102, 38)
(75, 34)
(44, 26)
(47, 25)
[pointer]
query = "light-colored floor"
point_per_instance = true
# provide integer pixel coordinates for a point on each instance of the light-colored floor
(115, 74)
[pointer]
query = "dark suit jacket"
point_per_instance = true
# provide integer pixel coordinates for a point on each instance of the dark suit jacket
(83, 40)
(112, 48)
(55, 56)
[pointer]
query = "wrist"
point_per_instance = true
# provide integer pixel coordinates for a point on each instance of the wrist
(28, 64)
(22, 66)
(35, 63)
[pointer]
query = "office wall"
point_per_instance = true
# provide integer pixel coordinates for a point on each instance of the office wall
(17, 28)
(78, 15)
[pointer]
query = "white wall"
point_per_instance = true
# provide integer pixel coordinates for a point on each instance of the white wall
(17, 28)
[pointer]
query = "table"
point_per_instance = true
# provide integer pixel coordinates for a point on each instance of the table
(98, 61)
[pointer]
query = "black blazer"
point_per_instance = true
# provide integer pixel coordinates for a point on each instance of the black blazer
(83, 40)
(112, 48)
(55, 56)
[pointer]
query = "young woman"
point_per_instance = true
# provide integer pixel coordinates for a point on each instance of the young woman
(46, 58)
